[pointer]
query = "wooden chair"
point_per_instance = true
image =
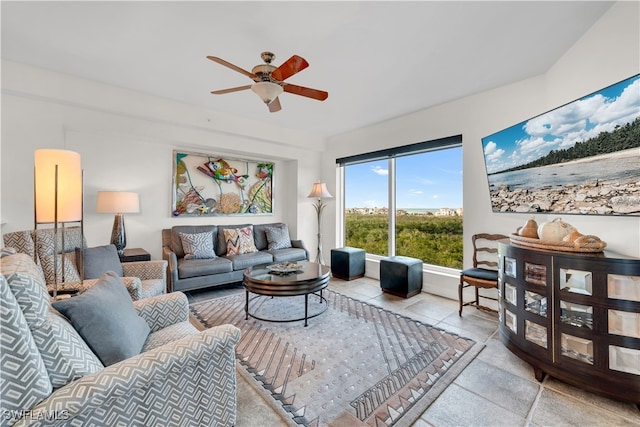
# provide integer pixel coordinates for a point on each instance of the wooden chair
(485, 249)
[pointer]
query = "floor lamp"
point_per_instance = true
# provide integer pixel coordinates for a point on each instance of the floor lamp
(57, 194)
(319, 192)
(119, 203)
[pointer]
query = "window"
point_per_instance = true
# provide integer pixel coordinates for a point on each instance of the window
(366, 201)
(409, 202)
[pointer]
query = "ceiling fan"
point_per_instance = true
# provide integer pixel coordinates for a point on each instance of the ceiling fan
(269, 81)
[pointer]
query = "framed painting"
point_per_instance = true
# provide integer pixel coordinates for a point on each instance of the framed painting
(581, 158)
(211, 185)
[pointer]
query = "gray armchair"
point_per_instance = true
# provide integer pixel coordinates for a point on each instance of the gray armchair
(50, 377)
(143, 279)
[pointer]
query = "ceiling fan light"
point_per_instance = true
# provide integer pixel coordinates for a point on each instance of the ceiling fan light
(267, 91)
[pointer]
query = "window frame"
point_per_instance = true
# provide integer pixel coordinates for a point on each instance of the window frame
(390, 155)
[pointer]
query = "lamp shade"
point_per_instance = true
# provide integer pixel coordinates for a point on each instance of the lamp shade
(267, 91)
(57, 184)
(117, 202)
(320, 191)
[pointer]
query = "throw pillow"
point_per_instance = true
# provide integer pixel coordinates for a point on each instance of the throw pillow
(70, 271)
(240, 240)
(105, 318)
(197, 245)
(6, 251)
(278, 236)
(98, 260)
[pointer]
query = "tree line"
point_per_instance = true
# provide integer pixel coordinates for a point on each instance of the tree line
(621, 138)
(433, 239)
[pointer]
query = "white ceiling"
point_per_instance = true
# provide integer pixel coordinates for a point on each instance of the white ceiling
(377, 60)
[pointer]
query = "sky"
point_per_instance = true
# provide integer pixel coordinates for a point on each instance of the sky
(424, 181)
(561, 128)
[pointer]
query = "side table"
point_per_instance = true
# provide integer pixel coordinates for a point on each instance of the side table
(135, 254)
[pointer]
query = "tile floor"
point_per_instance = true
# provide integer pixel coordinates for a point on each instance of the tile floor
(496, 389)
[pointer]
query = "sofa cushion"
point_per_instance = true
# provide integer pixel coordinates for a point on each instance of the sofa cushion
(277, 236)
(45, 240)
(176, 241)
(104, 316)
(260, 237)
(198, 245)
(240, 241)
(27, 285)
(203, 267)
(242, 261)
(289, 254)
(98, 260)
(22, 241)
(65, 354)
(25, 381)
(49, 269)
(221, 244)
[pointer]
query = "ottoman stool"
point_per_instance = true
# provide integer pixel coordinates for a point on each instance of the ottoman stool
(347, 263)
(401, 276)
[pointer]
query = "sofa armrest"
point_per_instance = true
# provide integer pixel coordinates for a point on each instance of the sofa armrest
(300, 244)
(172, 266)
(146, 270)
(163, 310)
(133, 285)
(150, 387)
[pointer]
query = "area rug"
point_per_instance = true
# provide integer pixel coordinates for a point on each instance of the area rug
(354, 365)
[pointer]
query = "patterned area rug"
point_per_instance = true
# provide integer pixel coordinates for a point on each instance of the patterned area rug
(354, 365)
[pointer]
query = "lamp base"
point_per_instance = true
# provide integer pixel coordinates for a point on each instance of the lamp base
(118, 236)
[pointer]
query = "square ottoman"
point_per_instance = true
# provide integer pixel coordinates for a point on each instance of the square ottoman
(347, 263)
(401, 276)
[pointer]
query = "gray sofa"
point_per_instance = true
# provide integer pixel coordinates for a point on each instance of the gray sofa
(189, 274)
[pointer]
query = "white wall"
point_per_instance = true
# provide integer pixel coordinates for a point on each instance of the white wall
(126, 141)
(607, 53)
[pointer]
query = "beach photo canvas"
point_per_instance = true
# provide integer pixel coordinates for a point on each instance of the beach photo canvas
(580, 158)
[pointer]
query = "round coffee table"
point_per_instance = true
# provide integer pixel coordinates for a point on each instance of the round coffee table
(308, 279)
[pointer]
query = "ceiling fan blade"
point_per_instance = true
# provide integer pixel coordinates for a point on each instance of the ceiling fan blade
(232, 89)
(291, 66)
(275, 106)
(320, 95)
(233, 67)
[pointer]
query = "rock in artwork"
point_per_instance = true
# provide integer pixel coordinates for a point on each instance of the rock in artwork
(209, 185)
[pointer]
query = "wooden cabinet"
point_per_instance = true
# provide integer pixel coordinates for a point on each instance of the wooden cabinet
(574, 316)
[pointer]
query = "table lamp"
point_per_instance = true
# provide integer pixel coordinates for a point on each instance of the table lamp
(118, 202)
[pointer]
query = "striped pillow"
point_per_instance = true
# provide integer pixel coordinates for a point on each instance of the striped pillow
(240, 240)
(198, 245)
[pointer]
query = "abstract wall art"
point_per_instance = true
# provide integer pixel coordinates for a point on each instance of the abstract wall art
(213, 185)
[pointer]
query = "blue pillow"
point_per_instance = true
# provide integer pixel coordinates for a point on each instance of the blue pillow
(98, 260)
(105, 318)
(278, 236)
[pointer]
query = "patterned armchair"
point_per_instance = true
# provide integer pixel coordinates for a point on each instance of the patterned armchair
(143, 279)
(50, 376)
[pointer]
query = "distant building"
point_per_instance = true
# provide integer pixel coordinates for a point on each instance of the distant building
(401, 212)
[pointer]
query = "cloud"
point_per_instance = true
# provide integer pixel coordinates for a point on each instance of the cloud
(417, 192)
(425, 181)
(435, 196)
(492, 153)
(574, 122)
(380, 170)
